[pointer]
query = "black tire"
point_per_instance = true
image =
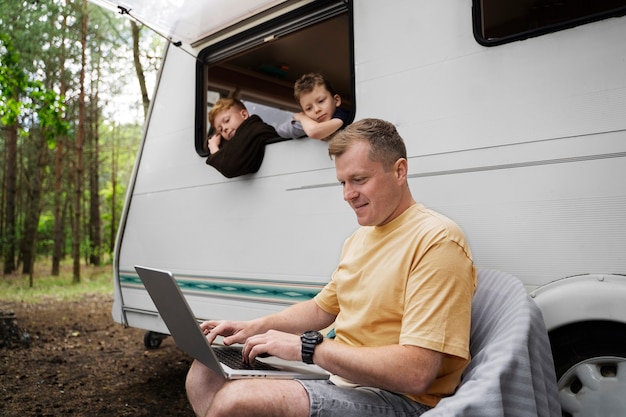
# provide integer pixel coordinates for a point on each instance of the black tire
(152, 340)
(590, 365)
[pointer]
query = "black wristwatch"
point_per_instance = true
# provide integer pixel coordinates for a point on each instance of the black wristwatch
(310, 339)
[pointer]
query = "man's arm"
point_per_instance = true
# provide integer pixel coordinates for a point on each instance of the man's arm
(398, 368)
(298, 318)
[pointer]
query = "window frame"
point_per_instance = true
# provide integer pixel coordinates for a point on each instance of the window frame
(289, 23)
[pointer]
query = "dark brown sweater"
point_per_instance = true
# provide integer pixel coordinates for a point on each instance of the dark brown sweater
(243, 153)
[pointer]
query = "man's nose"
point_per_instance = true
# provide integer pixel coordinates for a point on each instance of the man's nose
(349, 193)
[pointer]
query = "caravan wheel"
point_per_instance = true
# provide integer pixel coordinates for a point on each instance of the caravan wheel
(152, 340)
(594, 387)
(590, 362)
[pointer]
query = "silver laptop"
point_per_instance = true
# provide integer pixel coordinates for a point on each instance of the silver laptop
(223, 360)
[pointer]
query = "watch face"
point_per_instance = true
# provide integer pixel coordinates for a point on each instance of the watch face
(313, 335)
(310, 339)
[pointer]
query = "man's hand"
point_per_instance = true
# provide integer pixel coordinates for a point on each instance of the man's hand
(256, 344)
(273, 343)
(232, 331)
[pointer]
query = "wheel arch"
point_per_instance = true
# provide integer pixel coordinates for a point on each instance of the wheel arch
(586, 320)
(582, 298)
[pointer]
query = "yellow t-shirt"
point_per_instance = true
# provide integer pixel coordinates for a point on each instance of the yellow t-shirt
(409, 282)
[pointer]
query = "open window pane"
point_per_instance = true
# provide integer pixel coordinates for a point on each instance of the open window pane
(260, 66)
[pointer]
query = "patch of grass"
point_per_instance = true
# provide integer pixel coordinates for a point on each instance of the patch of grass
(93, 279)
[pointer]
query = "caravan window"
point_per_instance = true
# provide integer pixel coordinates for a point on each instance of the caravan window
(259, 66)
(497, 22)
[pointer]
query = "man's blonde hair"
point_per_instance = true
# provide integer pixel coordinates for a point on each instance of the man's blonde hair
(386, 144)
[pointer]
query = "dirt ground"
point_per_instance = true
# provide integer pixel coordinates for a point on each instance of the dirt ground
(70, 358)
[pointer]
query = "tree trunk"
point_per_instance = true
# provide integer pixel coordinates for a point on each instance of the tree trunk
(58, 233)
(138, 68)
(80, 138)
(95, 237)
(33, 209)
(59, 217)
(113, 196)
(9, 246)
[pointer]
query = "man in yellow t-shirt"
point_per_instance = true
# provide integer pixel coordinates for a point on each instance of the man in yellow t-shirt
(400, 300)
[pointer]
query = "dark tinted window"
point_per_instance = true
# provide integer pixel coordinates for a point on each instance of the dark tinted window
(497, 21)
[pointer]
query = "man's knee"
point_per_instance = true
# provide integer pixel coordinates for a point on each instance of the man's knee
(232, 400)
(260, 397)
(196, 378)
(201, 385)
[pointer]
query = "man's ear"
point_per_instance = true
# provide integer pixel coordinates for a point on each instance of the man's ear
(400, 168)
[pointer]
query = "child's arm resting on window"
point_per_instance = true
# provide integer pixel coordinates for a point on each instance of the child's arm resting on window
(318, 130)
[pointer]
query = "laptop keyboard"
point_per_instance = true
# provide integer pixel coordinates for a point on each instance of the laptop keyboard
(231, 356)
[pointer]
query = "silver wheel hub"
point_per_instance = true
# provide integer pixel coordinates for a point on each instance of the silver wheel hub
(594, 387)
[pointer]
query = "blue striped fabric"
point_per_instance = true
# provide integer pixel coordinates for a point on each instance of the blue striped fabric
(511, 373)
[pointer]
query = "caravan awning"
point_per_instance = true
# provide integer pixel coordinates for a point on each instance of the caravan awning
(189, 21)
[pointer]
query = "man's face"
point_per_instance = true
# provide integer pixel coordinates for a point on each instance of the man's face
(318, 104)
(374, 195)
(227, 121)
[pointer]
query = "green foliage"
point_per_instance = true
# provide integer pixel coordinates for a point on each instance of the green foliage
(13, 82)
(18, 93)
(50, 108)
(40, 72)
(45, 233)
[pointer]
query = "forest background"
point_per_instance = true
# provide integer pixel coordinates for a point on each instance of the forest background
(75, 81)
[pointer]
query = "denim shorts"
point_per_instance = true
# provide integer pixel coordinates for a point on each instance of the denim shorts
(328, 399)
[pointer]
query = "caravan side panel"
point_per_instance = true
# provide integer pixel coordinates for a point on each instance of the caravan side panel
(523, 144)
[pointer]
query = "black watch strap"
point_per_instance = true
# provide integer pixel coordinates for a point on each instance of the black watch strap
(310, 339)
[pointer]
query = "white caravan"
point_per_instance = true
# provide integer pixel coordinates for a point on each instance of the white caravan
(514, 115)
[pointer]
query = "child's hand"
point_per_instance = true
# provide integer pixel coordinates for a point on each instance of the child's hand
(214, 143)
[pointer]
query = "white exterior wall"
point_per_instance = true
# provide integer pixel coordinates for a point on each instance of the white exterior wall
(553, 108)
